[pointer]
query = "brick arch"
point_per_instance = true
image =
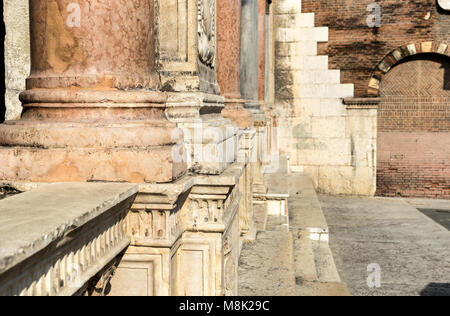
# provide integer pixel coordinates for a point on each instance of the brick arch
(399, 54)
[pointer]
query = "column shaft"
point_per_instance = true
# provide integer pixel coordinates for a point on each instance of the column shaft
(228, 64)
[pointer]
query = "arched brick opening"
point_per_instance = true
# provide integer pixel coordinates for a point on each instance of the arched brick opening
(414, 127)
(397, 55)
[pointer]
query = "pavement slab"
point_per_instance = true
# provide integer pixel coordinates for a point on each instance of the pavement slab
(411, 249)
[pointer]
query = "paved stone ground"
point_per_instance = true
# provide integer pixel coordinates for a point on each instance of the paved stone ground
(412, 250)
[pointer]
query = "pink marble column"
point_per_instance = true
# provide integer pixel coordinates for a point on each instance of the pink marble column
(228, 61)
(92, 111)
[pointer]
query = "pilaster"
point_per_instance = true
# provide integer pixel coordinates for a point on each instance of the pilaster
(188, 69)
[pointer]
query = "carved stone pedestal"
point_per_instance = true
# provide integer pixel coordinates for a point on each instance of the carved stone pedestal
(184, 238)
(211, 142)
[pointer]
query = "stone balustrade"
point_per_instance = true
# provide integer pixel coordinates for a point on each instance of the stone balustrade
(186, 236)
(56, 238)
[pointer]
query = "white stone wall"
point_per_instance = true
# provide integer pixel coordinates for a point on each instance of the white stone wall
(336, 146)
(17, 53)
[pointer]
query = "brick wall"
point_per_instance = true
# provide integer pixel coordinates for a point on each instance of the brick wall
(356, 49)
(414, 129)
(413, 164)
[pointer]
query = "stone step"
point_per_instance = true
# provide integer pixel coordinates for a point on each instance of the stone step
(260, 215)
(277, 223)
(305, 288)
(329, 90)
(314, 266)
(316, 91)
(292, 257)
(292, 49)
(266, 266)
(287, 7)
(315, 77)
(294, 63)
(295, 20)
(304, 262)
(299, 34)
(324, 262)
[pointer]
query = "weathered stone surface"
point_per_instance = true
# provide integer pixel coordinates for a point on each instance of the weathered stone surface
(364, 231)
(90, 135)
(189, 60)
(234, 110)
(266, 267)
(188, 68)
(17, 54)
(91, 164)
(76, 54)
(91, 111)
(33, 220)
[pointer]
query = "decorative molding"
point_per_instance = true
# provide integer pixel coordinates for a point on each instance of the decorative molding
(72, 262)
(361, 103)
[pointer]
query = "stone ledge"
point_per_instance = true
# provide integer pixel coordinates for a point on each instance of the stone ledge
(31, 221)
(361, 103)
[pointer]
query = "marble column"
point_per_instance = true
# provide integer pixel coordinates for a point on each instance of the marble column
(250, 62)
(249, 55)
(92, 110)
(228, 62)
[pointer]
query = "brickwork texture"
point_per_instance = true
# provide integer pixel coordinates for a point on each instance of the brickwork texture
(413, 154)
(414, 129)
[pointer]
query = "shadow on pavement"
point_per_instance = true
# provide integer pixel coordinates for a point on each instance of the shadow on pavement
(436, 289)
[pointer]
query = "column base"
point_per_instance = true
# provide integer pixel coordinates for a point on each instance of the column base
(137, 152)
(259, 115)
(236, 112)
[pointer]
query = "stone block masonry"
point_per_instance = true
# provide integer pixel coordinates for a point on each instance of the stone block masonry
(334, 144)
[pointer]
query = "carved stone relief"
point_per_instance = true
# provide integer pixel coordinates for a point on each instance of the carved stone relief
(207, 32)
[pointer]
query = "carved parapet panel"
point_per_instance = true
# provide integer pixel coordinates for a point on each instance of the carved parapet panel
(69, 247)
(143, 271)
(155, 219)
(185, 238)
(211, 208)
(65, 271)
